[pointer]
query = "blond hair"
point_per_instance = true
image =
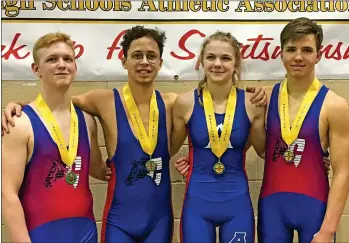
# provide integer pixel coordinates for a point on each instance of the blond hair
(49, 39)
(225, 37)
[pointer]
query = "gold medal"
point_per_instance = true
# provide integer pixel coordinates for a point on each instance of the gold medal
(150, 165)
(148, 143)
(219, 168)
(291, 135)
(67, 156)
(219, 144)
(289, 156)
(70, 178)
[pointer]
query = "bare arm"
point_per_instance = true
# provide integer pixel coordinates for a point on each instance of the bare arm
(179, 132)
(14, 159)
(257, 135)
(93, 101)
(97, 165)
(338, 120)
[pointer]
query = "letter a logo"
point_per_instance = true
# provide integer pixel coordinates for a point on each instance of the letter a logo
(239, 237)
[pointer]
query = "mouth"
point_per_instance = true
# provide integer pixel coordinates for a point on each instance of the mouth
(143, 72)
(298, 66)
(62, 74)
(215, 72)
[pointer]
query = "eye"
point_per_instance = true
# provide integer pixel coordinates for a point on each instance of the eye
(226, 58)
(290, 50)
(137, 56)
(151, 57)
(52, 59)
(68, 59)
(210, 57)
(308, 50)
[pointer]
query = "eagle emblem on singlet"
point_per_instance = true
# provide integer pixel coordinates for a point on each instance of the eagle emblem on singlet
(140, 170)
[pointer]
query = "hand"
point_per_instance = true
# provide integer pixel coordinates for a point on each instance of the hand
(107, 173)
(258, 96)
(11, 110)
(323, 237)
(182, 166)
(327, 162)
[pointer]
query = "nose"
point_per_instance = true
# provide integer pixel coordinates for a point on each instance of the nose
(144, 60)
(217, 62)
(298, 56)
(61, 63)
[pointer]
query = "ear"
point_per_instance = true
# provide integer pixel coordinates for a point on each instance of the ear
(35, 70)
(160, 65)
(318, 57)
(123, 62)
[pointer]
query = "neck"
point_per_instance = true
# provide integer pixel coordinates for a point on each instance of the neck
(56, 100)
(297, 87)
(219, 92)
(141, 93)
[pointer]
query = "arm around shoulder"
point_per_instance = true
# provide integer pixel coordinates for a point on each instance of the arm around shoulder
(14, 159)
(94, 101)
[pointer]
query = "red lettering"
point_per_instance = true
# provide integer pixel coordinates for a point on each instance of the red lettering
(276, 53)
(12, 50)
(182, 42)
(263, 55)
(114, 46)
(81, 49)
(346, 54)
(336, 54)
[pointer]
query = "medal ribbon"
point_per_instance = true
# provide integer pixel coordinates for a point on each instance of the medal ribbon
(219, 145)
(67, 156)
(290, 135)
(148, 144)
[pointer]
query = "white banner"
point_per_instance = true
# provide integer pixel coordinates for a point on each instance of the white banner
(98, 34)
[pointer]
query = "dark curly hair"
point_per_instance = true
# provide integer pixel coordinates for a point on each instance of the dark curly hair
(138, 32)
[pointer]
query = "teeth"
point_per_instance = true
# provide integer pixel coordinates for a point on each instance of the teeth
(143, 72)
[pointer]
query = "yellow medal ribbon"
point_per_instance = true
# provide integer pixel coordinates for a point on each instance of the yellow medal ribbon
(67, 156)
(148, 143)
(219, 145)
(290, 135)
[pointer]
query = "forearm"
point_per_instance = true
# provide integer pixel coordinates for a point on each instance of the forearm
(336, 202)
(14, 219)
(176, 143)
(98, 171)
(258, 143)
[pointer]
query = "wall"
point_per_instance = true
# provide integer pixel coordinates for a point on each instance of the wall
(26, 91)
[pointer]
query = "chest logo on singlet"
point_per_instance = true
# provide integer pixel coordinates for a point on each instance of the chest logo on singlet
(219, 129)
(290, 154)
(139, 171)
(58, 170)
(239, 237)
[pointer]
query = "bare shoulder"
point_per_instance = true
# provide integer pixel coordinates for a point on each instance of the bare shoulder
(185, 99)
(336, 107)
(21, 130)
(169, 98)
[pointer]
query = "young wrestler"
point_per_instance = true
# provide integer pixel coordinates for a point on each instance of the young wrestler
(221, 124)
(304, 120)
(47, 156)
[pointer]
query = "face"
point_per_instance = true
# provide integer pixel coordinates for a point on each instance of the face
(143, 60)
(218, 61)
(300, 57)
(56, 65)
